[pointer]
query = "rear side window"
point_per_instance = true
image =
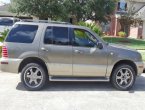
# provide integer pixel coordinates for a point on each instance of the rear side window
(57, 36)
(48, 39)
(22, 33)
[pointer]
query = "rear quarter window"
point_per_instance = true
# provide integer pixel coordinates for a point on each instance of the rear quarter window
(22, 33)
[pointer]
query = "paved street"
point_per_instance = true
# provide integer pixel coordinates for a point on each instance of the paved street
(69, 96)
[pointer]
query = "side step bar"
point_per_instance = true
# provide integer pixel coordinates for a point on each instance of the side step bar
(83, 79)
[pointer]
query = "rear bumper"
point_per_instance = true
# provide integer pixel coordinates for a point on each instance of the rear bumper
(140, 67)
(9, 65)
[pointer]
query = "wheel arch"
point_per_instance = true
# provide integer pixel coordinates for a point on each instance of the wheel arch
(32, 60)
(128, 62)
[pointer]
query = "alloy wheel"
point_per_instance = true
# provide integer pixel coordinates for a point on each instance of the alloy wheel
(124, 77)
(33, 77)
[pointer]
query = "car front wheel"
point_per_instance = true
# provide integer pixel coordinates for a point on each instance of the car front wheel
(123, 77)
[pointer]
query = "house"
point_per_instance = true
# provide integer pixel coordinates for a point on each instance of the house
(115, 23)
(4, 12)
(138, 8)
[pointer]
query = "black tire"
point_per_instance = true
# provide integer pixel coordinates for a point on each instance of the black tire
(40, 77)
(119, 77)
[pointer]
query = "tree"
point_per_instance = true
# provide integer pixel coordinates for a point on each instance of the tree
(42, 9)
(100, 10)
(97, 10)
(75, 9)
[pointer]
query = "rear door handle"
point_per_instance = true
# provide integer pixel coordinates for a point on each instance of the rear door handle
(78, 51)
(43, 49)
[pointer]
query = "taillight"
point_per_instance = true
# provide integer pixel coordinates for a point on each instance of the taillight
(4, 52)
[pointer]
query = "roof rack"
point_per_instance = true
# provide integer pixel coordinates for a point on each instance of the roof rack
(44, 21)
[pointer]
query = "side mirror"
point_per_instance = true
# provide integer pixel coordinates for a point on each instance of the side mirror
(99, 45)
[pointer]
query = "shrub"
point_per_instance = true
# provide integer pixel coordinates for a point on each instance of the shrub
(3, 35)
(93, 26)
(121, 34)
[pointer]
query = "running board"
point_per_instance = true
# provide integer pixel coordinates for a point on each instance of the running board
(83, 79)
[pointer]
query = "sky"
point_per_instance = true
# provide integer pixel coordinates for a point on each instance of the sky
(5, 1)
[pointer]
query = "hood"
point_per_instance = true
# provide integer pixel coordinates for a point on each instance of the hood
(119, 46)
(123, 52)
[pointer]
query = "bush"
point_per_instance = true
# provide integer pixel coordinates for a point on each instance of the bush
(122, 34)
(3, 35)
(93, 26)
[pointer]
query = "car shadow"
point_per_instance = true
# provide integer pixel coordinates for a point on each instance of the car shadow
(86, 86)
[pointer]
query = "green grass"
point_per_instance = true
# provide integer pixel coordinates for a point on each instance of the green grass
(143, 55)
(132, 43)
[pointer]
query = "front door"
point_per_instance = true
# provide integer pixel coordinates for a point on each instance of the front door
(57, 51)
(88, 60)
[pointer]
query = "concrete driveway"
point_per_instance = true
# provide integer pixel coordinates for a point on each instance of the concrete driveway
(69, 96)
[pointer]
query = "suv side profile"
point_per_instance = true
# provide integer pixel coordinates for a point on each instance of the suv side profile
(63, 52)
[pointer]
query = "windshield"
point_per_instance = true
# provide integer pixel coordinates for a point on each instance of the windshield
(6, 22)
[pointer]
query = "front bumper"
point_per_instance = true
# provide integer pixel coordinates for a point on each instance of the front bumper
(140, 67)
(9, 65)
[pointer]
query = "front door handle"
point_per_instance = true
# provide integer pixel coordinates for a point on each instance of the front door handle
(43, 49)
(78, 51)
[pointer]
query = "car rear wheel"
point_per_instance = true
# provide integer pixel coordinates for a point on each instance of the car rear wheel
(33, 76)
(123, 77)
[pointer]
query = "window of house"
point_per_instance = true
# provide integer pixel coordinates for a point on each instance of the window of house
(122, 6)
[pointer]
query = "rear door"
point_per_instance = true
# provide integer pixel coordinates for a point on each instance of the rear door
(56, 49)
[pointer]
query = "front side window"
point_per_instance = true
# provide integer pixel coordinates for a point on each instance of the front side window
(83, 38)
(57, 36)
(22, 33)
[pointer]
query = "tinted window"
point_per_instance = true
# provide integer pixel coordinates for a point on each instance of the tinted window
(48, 39)
(58, 36)
(6, 22)
(83, 38)
(22, 33)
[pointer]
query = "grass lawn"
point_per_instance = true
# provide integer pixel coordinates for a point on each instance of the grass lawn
(131, 43)
(143, 55)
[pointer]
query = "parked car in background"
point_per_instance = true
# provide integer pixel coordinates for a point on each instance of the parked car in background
(63, 52)
(7, 22)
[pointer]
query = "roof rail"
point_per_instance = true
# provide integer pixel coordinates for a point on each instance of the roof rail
(44, 21)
